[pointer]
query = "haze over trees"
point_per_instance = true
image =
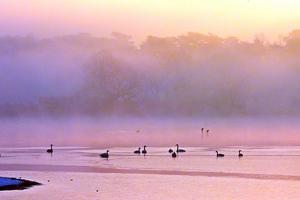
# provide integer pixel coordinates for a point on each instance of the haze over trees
(187, 75)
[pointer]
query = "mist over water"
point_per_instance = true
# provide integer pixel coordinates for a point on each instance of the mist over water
(134, 132)
(86, 90)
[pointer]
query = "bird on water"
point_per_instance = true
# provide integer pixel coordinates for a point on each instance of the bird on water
(104, 155)
(178, 150)
(219, 154)
(207, 132)
(174, 155)
(51, 149)
(138, 151)
(240, 154)
(144, 150)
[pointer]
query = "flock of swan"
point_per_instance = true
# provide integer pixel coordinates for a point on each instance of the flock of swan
(173, 153)
(144, 151)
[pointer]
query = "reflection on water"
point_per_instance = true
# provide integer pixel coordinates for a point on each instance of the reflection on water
(113, 132)
(196, 172)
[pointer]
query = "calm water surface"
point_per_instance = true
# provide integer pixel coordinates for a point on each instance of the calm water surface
(79, 173)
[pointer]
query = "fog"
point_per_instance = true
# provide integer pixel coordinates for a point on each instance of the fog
(84, 80)
(188, 75)
(133, 132)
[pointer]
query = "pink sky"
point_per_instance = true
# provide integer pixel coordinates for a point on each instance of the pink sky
(140, 18)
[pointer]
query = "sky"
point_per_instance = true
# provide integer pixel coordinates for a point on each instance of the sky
(139, 18)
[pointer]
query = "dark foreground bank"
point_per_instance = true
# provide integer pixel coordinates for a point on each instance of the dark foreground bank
(15, 184)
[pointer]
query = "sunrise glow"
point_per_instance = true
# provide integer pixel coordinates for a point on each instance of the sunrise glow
(139, 18)
(149, 99)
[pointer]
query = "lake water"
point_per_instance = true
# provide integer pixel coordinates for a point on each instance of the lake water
(265, 172)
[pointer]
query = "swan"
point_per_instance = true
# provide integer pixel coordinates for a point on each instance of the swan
(240, 154)
(144, 150)
(207, 131)
(51, 149)
(179, 150)
(219, 154)
(174, 155)
(170, 150)
(138, 151)
(104, 155)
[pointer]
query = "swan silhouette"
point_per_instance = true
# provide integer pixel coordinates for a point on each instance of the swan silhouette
(144, 150)
(104, 155)
(138, 151)
(219, 154)
(207, 132)
(240, 154)
(178, 150)
(51, 149)
(174, 155)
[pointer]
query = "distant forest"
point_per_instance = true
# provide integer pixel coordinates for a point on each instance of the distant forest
(187, 75)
